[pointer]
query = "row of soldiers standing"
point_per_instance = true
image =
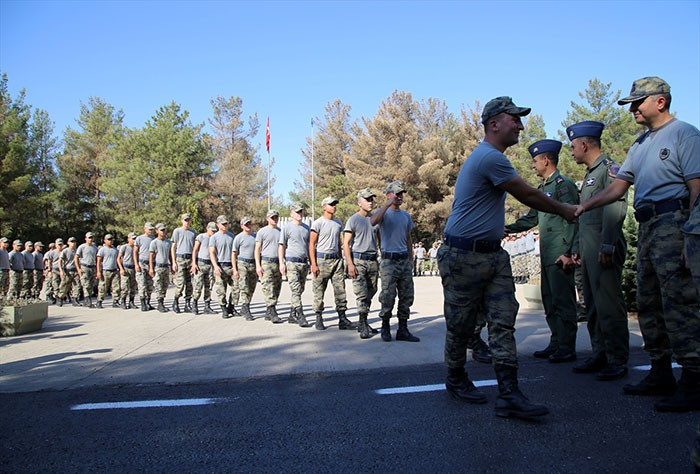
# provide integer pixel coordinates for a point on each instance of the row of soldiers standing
(21, 271)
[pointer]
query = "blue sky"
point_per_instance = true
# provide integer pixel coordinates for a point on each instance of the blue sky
(287, 60)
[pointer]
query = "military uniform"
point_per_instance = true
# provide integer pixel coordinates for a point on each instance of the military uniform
(28, 274)
(143, 277)
(70, 280)
(159, 265)
(183, 244)
(16, 270)
(38, 270)
(294, 240)
(125, 260)
(245, 278)
(267, 264)
(221, 254)
(4, 269)
(108, 274)
(86, 260)
(204, 272)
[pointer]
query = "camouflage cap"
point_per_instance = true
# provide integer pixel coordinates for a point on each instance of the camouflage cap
(185, 217)
(109, 237)
(212, 226)
(132, 235)
(396, 187)
(89, 234)
(329, 200)
(297, 207)
(28, 242)
(544, 146)
(39, 244)
(17, 242)
(71, 239)
(148, 226)
(645, 87)
(503, 104)
(273, 213)
(222, 219)
(4, 239)
(160, 226)
(245, 220)
(365, 193)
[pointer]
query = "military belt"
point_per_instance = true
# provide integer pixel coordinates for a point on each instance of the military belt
(364, 256)
(183, 255)
(162, 265)
(645, 213)
(480, 246)
(296, 260)
(203, 260)
(131, 267)
(270, 259)
(395, 255)
(4, 269)
(327, 255)
(225, 264)
(109, 269)
(246, 260)
(86, 265)
(143, 262)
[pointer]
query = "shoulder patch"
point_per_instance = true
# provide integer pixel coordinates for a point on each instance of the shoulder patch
(559, 180)
(590, 181)
(612, 170)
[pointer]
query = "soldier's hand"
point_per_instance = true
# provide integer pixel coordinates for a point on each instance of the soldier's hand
(122, 272)
(352, 270)
(605, 260)
(565, 262)
(174, 267)
(259, 271)
(314, 270)
(236, 275)
(569, 213)
(283, 269)
(137, 267)
(576, 258)
(579, 210)
(194, 269)
(152, 273)
(217, 271)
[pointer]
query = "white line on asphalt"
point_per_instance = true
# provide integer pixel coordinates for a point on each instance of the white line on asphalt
(648, 367)
(146, 404)
(428, 388)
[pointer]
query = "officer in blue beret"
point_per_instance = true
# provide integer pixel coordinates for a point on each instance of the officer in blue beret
(556, 241)
(601, 250)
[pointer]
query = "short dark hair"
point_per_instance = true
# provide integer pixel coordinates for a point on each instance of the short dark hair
(593, 141)
(553, 157)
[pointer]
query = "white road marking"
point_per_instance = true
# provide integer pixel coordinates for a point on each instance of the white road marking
(428, 388)
(648, 367)
(146, 404)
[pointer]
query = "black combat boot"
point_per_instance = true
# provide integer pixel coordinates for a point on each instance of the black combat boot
(386, 330)
(226, 312)
(511, 401)
(480, 350)
(208, 309)
(687, 396)
(319, 322)
(363, 327)
(143, 305)
(60, 302)
(195, 307)
(245, 311)
(99, 304)
(75, 302)
(188, 306)
(460, 387)
(161, 306)
(659, 380)
(232, 310)
(268, 313)
(403, 334)
(344, 322)
(292, 316)
(176, 306)
(125, 303)
(149, 306)
(88, 302)
(131, 302)
(301, 318)
(274, 317)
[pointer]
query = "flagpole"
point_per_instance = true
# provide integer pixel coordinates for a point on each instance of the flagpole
(267, 145)
(313, 175)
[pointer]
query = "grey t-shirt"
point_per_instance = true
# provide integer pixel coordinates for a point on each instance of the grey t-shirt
(364, 237)
(4, 260)
(16, 261)
(328, 234)
(28, 260)
(296, 238)
(38, 260)
(127, 253)
(203, 252)
(109, 257)
(183, 240)
(87, 254)
(68, 261)
(223, 243)
(161, 248)
(478, 209)
(269, 238)
(395, 225)
(661, 161)
(244, 245)
(143, 242)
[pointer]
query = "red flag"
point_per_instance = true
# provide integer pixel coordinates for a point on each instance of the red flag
(267, 135)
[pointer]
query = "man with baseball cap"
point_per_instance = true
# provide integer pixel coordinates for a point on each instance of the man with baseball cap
(160, 264)
(221, 255)
(68, 272)
(4, 267)
(28, 274)
(664, 168)
(108, 272)
(141, 259)
(202, 270)
(244, 277)
(85, 262)
(127, 272)
(183, 244)
(38, 269)
(476, 271)
(16, 269)
(267, 264)
(294, 260)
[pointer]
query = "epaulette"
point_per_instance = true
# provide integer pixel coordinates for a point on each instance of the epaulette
(559, 180)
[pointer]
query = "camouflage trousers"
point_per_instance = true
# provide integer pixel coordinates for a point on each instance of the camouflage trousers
(109, 281)
(88, 279)
(247, 281)
(364, 285)
(53, 283)
(397, 279)
(16, 280)
(4, 282)
(330, 269)
(668, 302)
(203, 280)
(271, 282)
(475, 282)
(420, 266)
(161, 281)
(145, 282)
(183, 278)
(559, 301)
(28, 284)
(128, 284)
(222, 283)
(38, 283)
(297, 272)
(433, 266)
(692, 252)
(580, 296)
(69, 284)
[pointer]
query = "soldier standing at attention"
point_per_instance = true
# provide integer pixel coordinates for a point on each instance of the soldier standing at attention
(49, 291)
(267, 264)
(395, 227)
(420, 259)
(141, 259)
(601, 250)
(294, 261)
(127, 273)
(16, 269)
(160, 264)
(432, 254)
(68, 272)
(28, 273)
(38, 269)
(85, 261)
(108, 272)
(664, 167)
(557, 278)
(221, 254)
(244, 265)
(327, 264)
(202, 270)
(4, 267)
(360, 249)
(183, 245)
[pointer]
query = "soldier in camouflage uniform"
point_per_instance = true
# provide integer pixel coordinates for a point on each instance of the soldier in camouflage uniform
(49, 290)
(38, 269)
(600, 251)
(141, 259)
(68, 272)
(127, 272)
(183, 245)
(202, 270)
(244, 274)
(4, 267)
(360, 249)
(557, 277)
(16, 270)
(267, 264)
(395, 227)
(28, 274)
(327, 264)
(85, 261)
(108, 272)
(476, 271)
(160, 264)
(221, 255)
(294, 261)
(664, 167)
